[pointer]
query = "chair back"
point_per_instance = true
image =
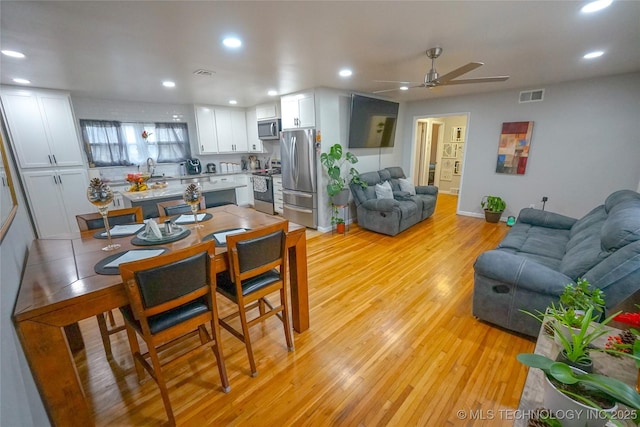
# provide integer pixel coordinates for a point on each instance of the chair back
(176, 207)
(164, 282)
(94, 221)
(257, 251)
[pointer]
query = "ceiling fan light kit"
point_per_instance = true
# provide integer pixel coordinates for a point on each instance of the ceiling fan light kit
(433, 79)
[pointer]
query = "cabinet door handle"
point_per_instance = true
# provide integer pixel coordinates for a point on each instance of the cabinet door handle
(60, 179)
(54, 159)
(202, 147)
(54, 179)
(50, 162)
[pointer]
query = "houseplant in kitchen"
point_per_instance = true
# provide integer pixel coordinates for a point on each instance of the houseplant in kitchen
(493, 207)
(589, 399)
(337, 164)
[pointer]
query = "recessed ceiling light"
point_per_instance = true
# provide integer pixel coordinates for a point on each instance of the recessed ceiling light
(168, 84)
(272, 93)
(404, 87)
(233, 102)
(13, 53)
(22, 81)
(595, 6)
(232, 42)
(595, 54)
(345, 72)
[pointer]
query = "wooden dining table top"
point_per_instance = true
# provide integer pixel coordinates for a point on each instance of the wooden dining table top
(61, 270)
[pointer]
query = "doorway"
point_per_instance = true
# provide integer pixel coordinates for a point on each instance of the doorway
(439, 148)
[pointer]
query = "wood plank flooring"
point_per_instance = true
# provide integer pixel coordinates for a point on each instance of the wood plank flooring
(392, 343)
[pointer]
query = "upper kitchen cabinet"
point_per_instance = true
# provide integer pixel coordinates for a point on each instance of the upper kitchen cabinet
(232, 130)
(298, 111)
(268, 111)
(42, 127)
(206, 128)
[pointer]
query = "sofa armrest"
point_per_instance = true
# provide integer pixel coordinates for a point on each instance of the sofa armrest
(427, 189)
(542, 218)
(521, 272)
(381, 205)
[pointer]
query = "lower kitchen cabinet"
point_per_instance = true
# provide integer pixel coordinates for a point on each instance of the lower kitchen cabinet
(56, 196)
(278, 202)
(242, 193)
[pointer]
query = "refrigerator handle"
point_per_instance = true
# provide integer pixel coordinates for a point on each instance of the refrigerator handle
(294, 160)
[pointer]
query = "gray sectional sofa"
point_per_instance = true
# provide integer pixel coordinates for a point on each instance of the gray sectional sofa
(544, 251)
(393, 215)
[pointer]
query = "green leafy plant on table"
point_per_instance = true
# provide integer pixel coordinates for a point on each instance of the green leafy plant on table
(576, 300)
(614, 390)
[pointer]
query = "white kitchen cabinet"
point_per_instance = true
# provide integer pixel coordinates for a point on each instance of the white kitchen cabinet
(42, 128)
(206, 129)
(268, 111)
(231, 125)
(242, 193)
(298, 111)
(56, 196)
(278, 201)
(256, 147)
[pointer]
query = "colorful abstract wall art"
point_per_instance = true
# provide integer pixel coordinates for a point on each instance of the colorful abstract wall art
(513, 148)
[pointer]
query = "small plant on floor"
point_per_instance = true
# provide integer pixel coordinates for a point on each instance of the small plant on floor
(493, 204)
(339, 175)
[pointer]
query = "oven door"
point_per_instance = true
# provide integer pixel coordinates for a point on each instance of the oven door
(263, 194)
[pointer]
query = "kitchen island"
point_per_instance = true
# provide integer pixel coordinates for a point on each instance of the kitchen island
(216, 193)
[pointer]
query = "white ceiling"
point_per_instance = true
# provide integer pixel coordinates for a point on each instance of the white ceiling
(124, 50)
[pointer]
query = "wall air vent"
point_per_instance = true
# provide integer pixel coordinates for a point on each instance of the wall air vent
(535, 95)
(203, 72)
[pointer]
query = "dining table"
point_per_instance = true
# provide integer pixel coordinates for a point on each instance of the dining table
(61, 286)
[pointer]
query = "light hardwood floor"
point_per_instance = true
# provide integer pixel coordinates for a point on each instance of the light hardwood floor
(392, 343)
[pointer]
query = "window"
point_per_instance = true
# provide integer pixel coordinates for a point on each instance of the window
(112, 143)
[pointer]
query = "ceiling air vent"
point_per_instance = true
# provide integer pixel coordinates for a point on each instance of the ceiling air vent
(203, 72)
(531, 95)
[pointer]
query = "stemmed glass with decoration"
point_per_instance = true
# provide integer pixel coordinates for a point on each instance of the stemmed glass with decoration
(100, 195)
(192, 196)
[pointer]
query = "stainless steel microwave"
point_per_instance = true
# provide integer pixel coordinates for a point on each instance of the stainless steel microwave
(269, 129)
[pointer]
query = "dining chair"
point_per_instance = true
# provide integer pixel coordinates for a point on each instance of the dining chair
(94, 221)
(257, 268)
(176, 207)
(171, 297)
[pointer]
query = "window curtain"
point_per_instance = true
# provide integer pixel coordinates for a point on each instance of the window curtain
(103, 143)
(173, 142)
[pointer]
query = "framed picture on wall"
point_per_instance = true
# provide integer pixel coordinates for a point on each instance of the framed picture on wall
(449, 150)
(513, 148)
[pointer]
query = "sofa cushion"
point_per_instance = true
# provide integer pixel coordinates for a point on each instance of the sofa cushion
(407, 185)
(619, 197)
(586, 252)
(384, 191)
(595, 218)
(540, 241)
(622, 226)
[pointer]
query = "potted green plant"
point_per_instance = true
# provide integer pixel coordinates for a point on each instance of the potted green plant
(493, 207)
(591, 392)
(336, 163)
(576, 300)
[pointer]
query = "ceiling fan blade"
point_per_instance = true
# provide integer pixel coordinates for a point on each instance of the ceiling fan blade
(397, 88)
(478, 80)
(397, 81)
(459, 71)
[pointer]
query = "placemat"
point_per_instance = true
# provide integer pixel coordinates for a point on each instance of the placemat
(220, 237)
(98, 234)
(101, 266)
(140, 240)
(206, 217)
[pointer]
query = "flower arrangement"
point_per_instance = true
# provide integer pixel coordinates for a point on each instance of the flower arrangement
(138, 181)
(627, 343)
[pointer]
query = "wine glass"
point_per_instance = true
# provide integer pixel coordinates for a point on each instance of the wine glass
(100, 195)
(192, 196)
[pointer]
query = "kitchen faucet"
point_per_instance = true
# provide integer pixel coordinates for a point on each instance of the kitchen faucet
(151, 166)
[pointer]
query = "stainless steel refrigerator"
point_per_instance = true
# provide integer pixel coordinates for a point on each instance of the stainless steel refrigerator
(299, 180)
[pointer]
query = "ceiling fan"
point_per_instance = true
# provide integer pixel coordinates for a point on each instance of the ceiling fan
(433, 79)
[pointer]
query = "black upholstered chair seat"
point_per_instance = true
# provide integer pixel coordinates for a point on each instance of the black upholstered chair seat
(227, 288)
(94, 224)
(160, 322)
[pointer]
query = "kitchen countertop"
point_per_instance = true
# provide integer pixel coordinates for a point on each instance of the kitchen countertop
(176, 189)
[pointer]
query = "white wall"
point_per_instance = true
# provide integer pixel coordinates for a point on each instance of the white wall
(585, 144)
(20, 403)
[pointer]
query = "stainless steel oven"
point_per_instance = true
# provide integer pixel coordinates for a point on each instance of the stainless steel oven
(263, 192)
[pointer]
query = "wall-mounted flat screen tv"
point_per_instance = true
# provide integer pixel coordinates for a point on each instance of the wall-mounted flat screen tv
(372, 123)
